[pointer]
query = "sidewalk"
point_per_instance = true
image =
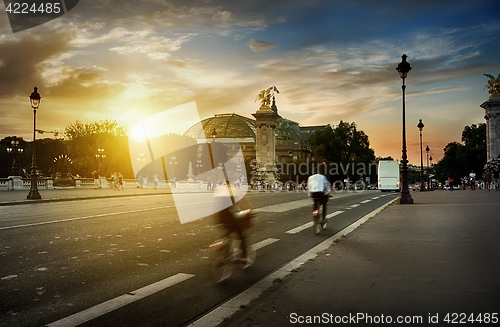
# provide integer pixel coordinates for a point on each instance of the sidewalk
(410, 263)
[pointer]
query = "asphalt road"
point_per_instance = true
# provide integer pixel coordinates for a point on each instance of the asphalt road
(130, 262)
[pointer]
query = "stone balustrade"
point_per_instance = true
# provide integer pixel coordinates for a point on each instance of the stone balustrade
(18, 183)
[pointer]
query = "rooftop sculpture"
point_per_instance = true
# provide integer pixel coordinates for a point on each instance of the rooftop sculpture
(493, 85)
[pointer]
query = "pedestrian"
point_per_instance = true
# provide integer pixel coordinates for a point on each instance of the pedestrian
(114, 180)
(488, 177)
(155, 179)
(97, 179)
(139, 181)
(145, 181)
(450, 182)
(120, 182)
(472, 177)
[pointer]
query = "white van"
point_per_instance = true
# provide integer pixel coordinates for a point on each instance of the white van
(388, 175)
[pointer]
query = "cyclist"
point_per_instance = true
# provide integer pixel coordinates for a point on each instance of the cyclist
(235, 218)
(318, 188)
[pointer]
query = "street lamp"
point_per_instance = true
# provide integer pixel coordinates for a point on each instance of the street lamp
(173, 162)
(100, 157)
(420, 127)
(199, 165)
(430, 182)
(35, 100)
(404, 197)
(14, 150)
(427, 150)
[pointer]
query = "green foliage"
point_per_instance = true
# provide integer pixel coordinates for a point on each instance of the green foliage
(83, 140)
(342, 145)
(460, 159)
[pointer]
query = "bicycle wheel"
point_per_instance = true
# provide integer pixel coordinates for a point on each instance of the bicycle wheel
(317, 220)
(221, 267)
(252, 254)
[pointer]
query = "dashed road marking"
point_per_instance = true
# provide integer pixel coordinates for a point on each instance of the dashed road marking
(309, 224)
(263, 243)
(365, 201)
(355, 205)
(118, 302)
(227, 309)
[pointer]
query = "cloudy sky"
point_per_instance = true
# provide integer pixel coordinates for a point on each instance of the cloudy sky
(331, 60)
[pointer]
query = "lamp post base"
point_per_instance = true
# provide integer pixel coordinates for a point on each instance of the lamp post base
(405, 198)
(34, 195)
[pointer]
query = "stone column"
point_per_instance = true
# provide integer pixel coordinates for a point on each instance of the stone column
(265, 142)
(492, 117)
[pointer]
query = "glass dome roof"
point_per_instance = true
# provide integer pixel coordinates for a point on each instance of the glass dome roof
(228, 126)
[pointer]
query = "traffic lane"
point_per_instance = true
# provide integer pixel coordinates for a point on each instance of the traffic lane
(98, 268)
(75, 264)
(169, 307)
(39, 213)
(44, 212)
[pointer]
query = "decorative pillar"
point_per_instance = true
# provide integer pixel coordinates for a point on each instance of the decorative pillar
(266, 140)
(492, 117)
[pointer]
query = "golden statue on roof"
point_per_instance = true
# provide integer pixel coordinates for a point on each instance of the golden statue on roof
(493, 85)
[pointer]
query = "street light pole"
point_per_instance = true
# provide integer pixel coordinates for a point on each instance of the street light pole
(404, 197)
(100, 157)
(420, 127)
(427, 150)
(14, 150)
(35, 100)
(430, 179)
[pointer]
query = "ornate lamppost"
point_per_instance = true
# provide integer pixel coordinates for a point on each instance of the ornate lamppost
(404, 197)
(420, 127)
(199, 165)
(14, 150)
(427, 150)
(35, 100)
(173, 162)
(430, 179)
(100, 157)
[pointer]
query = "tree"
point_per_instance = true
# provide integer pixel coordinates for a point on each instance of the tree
(344, 147)
(83, 140)
(460, 159)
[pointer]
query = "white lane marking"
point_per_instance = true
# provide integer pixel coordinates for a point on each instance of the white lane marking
(365, 201)
(375, 198)
(282, 207)
(333, 214)
(355, 205)
(263, 243)
(86, 217)
(242, 300)
(118, 302)
(309, 224)
(299, 228)
(100, 215)
(273, 208)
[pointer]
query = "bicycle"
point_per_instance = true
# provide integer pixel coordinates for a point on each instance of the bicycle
(319, 223)
(226, 253)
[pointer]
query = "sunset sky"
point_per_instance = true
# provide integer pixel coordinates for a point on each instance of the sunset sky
(331, 60)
